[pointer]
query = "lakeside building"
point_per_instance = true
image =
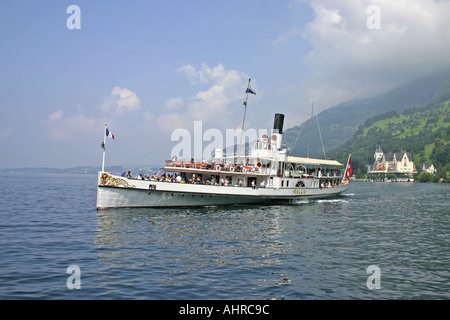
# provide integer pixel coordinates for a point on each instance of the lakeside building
(428, 167)
(391, 166)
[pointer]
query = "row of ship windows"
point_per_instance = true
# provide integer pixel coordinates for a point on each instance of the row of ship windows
(285, 183)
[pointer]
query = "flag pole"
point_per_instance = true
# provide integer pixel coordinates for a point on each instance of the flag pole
(243, 121)
(104, 149)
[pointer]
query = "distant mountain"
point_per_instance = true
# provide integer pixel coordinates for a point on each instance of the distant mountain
(422, 131)
(339, 123)
(81, 170)
(44, 170)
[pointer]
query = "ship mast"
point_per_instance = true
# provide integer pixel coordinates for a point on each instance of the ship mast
(243, 121)
(318, 128)
(310, 126)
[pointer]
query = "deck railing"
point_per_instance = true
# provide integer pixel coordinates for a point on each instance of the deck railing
(216, 166)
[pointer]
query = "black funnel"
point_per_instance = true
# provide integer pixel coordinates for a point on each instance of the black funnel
(278, 122)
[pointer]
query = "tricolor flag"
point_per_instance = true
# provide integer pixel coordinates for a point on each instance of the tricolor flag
(348, 169)
(109, 134)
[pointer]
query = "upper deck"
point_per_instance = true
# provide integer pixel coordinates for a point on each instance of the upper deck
(214, 167)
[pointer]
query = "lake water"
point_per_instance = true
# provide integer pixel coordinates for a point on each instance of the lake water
(319, 249)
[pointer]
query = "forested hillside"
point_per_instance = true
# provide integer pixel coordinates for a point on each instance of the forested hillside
(423, 131)
(339, 123)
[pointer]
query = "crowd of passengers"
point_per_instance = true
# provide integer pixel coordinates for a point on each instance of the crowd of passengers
(212, 180)
(211, 165)
(183, 179)
(329, 184)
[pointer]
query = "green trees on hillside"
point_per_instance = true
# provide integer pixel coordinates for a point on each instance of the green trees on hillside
(440, 156)
(423, 131)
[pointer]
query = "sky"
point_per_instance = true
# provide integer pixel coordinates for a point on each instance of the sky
(148, 68)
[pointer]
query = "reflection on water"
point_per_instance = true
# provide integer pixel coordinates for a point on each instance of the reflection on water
(314, 249)
(308, 250)
(195, 247)
(232, 252)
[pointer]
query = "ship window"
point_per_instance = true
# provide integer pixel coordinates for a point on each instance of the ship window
(287, 183)
(282, 183)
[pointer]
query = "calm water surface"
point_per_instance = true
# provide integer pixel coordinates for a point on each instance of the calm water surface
(317, 249)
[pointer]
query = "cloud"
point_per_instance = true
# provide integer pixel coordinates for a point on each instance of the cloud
(171, 121)
(121, 101)
(286, 37)
(174, 104)
(348, 59)
(191, 74)
(207, 74)
(61, 127)
(224, 90)
(56, 116)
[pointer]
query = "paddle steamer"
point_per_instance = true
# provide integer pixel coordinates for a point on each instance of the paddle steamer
(267, 174)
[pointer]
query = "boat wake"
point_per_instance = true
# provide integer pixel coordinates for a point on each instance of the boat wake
(303, 201)
(310, 201)
(331, 201)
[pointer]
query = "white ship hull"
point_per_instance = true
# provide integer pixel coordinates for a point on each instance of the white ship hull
(266, 175)
(120, 192)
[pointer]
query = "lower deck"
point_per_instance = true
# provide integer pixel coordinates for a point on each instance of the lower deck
(114, 191)
(249, 179)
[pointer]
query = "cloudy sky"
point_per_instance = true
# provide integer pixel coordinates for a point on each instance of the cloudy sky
(147, 68)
